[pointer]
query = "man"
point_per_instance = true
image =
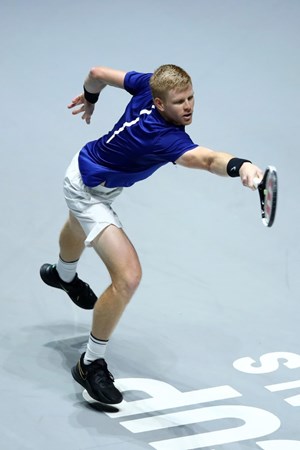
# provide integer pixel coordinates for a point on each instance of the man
(150, 133)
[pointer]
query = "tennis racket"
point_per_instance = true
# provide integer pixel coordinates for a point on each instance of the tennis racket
(267, 190)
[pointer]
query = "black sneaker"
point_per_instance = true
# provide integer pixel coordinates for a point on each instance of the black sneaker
(78, 291)
(97, 380)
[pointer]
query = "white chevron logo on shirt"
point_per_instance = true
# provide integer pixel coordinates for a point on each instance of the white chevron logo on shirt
(129, 124)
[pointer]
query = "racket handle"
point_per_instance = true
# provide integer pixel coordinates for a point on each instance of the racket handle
(256, 182)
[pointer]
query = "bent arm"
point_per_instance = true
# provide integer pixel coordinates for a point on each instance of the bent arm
(99, 77)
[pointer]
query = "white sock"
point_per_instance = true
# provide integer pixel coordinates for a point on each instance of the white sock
(95, 349)
(66, 270)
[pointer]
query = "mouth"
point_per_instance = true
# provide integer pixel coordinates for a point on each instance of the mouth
(187, 116)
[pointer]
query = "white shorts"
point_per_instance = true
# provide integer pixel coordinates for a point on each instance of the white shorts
(91, 206)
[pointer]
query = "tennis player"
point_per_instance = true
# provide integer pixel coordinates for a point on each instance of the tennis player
(150, 133)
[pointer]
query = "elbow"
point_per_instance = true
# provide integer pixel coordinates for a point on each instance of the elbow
(194, 162)
(210, 164)
(97, 73)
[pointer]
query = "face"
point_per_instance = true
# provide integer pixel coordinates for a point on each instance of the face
(178, 106)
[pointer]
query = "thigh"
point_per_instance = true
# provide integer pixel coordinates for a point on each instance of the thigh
(76, 227)
(90, 206)
(116, 251)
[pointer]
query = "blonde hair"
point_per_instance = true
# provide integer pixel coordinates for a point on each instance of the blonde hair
(168, 77)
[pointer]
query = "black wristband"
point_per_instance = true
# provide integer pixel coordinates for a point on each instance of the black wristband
(234, 165)
(91, 98)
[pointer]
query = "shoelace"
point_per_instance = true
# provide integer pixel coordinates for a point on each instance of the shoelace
(103, 373)
(79, 284)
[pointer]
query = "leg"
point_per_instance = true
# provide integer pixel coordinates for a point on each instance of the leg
(121, 260)
(71, 240)
(71, 243)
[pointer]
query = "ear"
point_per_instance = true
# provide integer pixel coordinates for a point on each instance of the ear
(159, 104)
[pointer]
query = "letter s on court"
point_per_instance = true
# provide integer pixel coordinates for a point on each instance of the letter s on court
(269, 362)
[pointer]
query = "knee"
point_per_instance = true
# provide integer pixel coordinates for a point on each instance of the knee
(128, 282)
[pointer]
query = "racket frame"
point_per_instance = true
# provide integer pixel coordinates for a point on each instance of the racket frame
(268, 185)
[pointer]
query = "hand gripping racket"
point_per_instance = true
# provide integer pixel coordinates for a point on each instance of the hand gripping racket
(267, 189)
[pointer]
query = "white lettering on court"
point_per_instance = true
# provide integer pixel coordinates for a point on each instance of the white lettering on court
(293, 401)
(162, 397)
(269, 363)
(257, 422)
(165, 396)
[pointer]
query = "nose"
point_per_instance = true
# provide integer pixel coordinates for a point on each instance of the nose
(187, 104)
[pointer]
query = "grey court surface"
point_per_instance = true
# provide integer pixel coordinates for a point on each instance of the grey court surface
(208, 351)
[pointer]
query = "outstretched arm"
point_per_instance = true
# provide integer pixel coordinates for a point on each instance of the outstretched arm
(222, 164)
(95, 82)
